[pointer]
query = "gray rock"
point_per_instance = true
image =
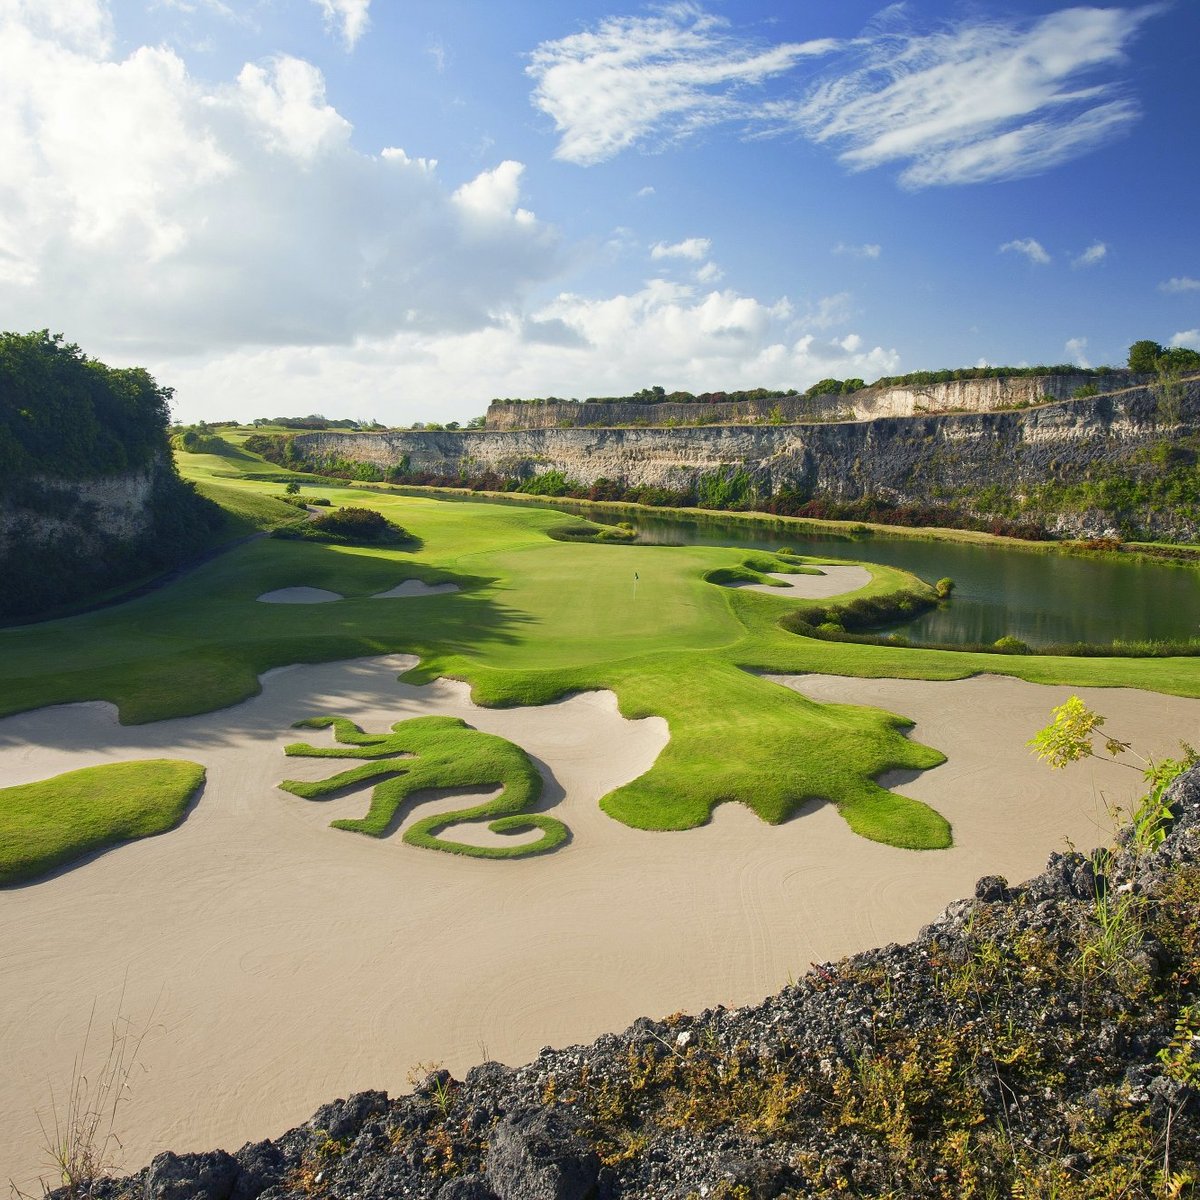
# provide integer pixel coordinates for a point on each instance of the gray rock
(535, 1154)
(210, 1176)
(466, 1187)
(342, 1119)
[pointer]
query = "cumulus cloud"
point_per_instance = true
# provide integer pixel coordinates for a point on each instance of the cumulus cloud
(572, 346)
(1075, 350)
(1178, 284)
(1189, 338)
(1097, 252)
(142, 207)
(644, 80)
(866, 250)
(694, 248)
(709, 273)
(1031, 248)
(349, 17)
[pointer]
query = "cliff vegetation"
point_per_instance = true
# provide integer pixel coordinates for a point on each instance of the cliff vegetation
(89, 496)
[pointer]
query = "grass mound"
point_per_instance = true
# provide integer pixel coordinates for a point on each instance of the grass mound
(55, 821)
(433, 752)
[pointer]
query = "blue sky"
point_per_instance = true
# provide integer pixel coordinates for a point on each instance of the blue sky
(398, 209)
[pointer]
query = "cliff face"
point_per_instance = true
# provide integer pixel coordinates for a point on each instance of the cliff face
(919, 460)
(960, 395)
(63, 541)
(115, 506)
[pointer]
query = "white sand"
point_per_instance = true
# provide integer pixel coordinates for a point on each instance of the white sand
(299, 595)
(415, 587)
(833, 581)
(287, 963)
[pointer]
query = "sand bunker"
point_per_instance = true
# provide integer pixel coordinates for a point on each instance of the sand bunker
(414, 587)
(833, 581)
(299, 595)
(242, 927)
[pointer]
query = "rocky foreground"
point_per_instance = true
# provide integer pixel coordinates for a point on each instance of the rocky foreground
(1040, 1040)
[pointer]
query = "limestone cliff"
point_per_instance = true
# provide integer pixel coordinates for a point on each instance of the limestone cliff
(976, 460)
(958, 395)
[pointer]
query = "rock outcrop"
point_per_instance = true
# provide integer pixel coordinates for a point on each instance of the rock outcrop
(1036, 1039)
(957, 395)
(955, 459)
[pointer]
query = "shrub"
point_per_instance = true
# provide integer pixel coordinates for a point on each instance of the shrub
(1011, 645)
(358, 525)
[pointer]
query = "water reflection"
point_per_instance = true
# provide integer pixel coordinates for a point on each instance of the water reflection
(1040, 598)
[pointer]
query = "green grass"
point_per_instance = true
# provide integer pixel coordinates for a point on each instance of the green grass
(536, 619)
(433, 752)
(57, 821)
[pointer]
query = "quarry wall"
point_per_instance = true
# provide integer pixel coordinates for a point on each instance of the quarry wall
(960, 395)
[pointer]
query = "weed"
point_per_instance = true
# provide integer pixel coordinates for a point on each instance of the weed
(80, 1134)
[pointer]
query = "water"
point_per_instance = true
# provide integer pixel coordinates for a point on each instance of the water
(1040, 598)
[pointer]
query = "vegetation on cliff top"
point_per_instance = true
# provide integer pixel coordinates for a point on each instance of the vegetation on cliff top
(66, 419)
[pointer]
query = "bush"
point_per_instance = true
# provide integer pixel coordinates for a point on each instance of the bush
(944, 587)
(1011, 645)
(358, 525)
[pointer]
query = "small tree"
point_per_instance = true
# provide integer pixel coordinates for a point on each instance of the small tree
(293, 488)
(1144, 356)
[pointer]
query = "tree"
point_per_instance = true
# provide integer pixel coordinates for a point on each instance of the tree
(293, 488)
(1144, 356)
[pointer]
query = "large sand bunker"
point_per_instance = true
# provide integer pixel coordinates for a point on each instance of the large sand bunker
(286, 963)
(833, 581)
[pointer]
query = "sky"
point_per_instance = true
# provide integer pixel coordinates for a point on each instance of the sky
(396, 210)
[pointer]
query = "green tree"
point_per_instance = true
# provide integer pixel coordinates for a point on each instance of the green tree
(1144, 356)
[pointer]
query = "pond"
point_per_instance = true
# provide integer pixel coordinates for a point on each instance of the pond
(1042, 598)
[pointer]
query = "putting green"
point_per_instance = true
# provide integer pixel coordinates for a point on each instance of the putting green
(536, 618)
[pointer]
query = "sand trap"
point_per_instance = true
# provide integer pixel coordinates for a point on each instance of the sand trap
(292, 963)
(299, 595)
(833, 581)
(414, 587)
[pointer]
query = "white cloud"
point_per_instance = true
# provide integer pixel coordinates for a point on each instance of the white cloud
(709, 273)
(1030, 247)
(694, 248)
(285, 100)
(665, 332)
(491, 197)
(866, 250)
(1180, 283)
(1075, 350)
(350, 16)
(648, 190)
(1097, 252)
(980, 100)
(1189, 338)
(637, 80)
(142, 208)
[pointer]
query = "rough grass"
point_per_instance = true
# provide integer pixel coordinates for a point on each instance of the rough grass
(535, 620)
(56, 821)
(432, 752)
